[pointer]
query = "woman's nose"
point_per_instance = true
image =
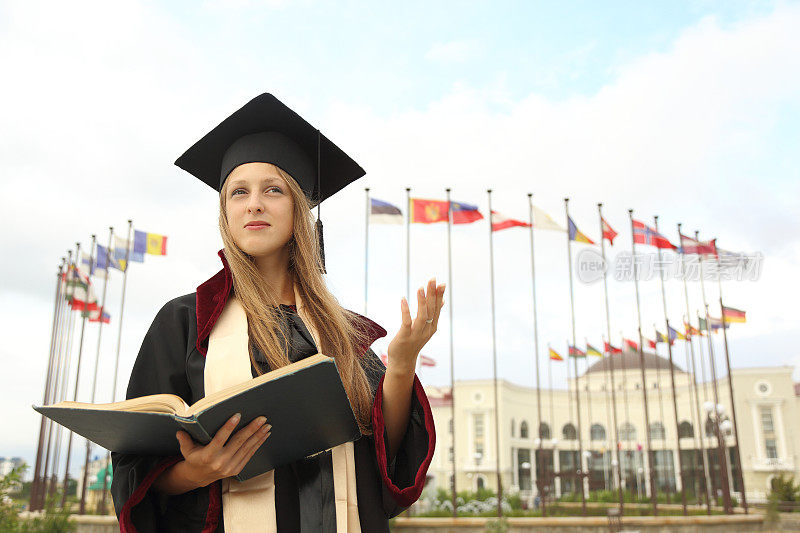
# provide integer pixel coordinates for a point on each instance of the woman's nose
(255, 205)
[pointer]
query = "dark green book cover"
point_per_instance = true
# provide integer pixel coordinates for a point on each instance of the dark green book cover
(308, 409)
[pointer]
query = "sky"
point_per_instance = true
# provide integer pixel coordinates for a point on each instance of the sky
(686, 110)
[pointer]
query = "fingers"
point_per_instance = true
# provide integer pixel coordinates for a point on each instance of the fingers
(221, 437)
(430, 301)
(422, 311)
(439, 295)
(186, 443)
(239, 438)
(405, 313)
(249, 448)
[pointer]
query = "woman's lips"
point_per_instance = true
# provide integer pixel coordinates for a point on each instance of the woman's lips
(256, 226)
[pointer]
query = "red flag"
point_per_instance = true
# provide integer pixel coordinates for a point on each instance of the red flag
(464, 213)
(608, 231)
(650, 344)
(692, 246)
(612, 349)
(630, 344)
(424, 360)
(643, 234)
(428, 211)
(500, 222)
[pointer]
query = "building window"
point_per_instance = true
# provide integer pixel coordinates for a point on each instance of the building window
(512, 427)
(478, 425)
(772, 448)
(481, 483)
(523, 430)
(657, 431)
(685, 430)
(544, 431)
(767, 424)
(627, 432)
(597, 432)
(569, 432)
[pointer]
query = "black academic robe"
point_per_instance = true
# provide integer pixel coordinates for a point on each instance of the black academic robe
(172, 360)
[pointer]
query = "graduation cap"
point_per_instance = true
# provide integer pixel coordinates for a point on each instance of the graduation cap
(265, 130)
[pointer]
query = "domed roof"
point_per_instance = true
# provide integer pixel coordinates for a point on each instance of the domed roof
(629, 359)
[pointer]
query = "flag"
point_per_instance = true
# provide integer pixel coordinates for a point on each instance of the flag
(716, 323)
(464, 213)
(575, 234)
(89, 268)
(574, 351)
(554, 355)
(94, 315)
(643, 234)
(612, 349)
(692, 246)
(542, 220)
(650, 344)
(381, 212)
(702, 324)
(105, 260)
(500, 222)
(428, 211)
(154, 244)
(630, 344)
(121, 247)
(674, 334)
(424, 360)
(608, 231)
(591, 350)
(733, 315)
(690, 330)
(384, 359)
(660, 337)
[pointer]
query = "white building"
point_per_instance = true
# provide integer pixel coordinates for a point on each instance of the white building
(766, 401)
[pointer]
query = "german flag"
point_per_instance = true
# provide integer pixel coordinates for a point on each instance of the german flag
(554, 355)
(729, 314)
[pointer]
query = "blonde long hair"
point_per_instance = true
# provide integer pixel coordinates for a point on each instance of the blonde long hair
(339, 336)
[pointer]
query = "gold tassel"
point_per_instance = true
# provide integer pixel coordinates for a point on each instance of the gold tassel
(321, 245)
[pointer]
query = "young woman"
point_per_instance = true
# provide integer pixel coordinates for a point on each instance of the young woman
(269, 306)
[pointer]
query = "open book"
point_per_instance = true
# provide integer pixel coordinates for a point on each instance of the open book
(305, 402)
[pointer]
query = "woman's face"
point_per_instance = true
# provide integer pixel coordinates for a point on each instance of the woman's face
(259, 209)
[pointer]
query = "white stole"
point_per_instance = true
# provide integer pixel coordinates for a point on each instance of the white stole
(250, 505)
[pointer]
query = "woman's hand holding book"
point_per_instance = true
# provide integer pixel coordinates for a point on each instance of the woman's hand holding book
(224, 456)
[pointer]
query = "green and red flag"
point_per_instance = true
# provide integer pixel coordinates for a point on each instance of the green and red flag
(574, 351)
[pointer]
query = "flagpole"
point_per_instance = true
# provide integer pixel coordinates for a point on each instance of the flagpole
(101, 503)
(653, 493)
(700, 427)
(77, 379)
(611, 363)
(494, 365)
(52, 434)
(366, 247)
(47, 480)
(694, 407)
(721, 445)
(730, 389)
(660, 408)
(408, 244)
(452, 360)
(581, 471)
(538, 452)
(119, 338)
(552, 423)
(672, 382)
(45, 400)
(66, 334)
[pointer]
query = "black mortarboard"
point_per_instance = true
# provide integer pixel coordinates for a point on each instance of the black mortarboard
(265, 130)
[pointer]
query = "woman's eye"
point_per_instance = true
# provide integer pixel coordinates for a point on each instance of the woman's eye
(275, 189)
(237, 190)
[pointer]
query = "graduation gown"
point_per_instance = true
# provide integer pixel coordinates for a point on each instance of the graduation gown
(172, 360)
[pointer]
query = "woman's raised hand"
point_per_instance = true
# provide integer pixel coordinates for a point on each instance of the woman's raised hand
(226, 454)
(413, 335)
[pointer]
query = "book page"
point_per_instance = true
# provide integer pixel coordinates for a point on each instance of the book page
(155, 403)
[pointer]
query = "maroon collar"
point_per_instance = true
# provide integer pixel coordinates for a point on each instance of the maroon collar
(213, 294)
